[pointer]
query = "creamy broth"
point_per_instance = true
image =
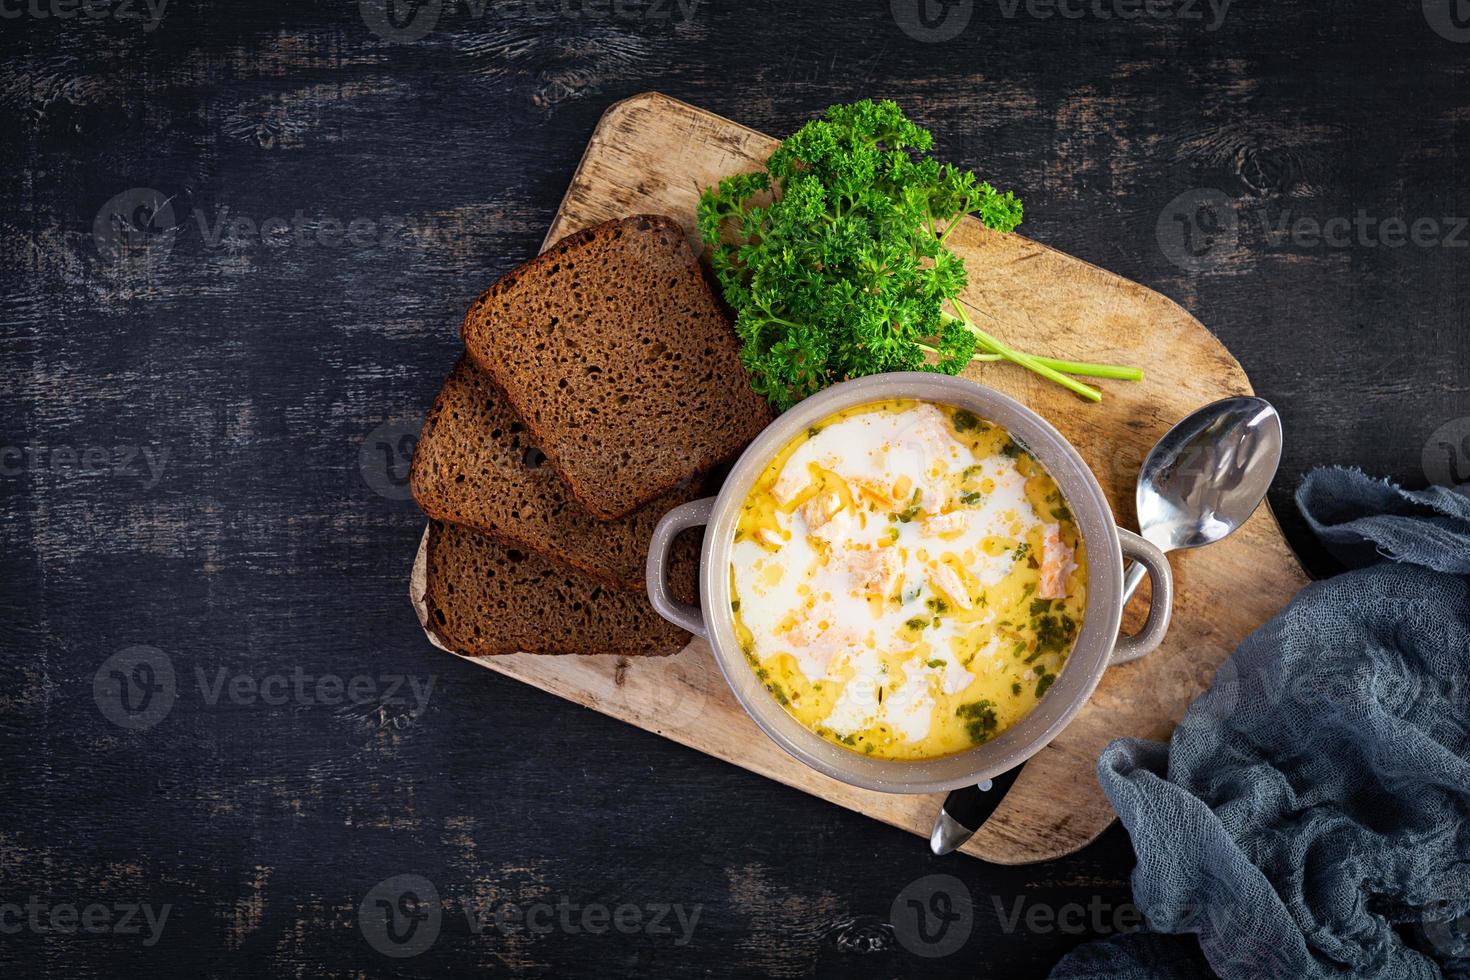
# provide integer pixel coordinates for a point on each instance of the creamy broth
(908, 580)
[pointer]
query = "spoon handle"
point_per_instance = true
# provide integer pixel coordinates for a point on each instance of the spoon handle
(1135, 575)
(966, 809)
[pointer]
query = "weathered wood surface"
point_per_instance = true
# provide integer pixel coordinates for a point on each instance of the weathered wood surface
(261, 369)
(651, 153)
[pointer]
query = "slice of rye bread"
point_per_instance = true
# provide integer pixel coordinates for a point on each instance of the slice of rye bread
(613, 350)
(475, 465)
(485, 599)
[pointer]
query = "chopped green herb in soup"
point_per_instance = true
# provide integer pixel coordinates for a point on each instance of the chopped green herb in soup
(909, 580)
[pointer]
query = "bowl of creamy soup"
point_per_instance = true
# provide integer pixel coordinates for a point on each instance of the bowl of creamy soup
(911, 582)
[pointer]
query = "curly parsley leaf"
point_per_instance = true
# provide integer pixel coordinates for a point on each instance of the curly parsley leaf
(834, 257)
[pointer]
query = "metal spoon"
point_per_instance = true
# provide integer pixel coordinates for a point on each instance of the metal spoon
(1199, 483)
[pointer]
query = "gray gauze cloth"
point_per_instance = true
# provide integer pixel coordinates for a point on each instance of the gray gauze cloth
(1311, 815)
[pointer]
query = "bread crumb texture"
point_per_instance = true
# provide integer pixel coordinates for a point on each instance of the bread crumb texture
(477, 464)
(485, 598)
(612, 348)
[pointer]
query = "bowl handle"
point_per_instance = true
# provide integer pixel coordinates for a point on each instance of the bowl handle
(695, 513)
(1160, 609)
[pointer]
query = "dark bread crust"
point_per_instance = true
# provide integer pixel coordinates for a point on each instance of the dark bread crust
(476, 465)
(485, 599)
(614, 351)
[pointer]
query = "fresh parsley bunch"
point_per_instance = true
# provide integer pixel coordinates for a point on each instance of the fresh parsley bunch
(840, 269)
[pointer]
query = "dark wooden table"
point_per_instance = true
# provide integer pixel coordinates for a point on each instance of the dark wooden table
(206, 422)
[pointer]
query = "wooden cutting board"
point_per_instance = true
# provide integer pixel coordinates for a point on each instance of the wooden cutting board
(651, 153)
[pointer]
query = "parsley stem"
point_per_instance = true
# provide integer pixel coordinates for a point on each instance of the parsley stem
(1116, 371)
(1087, 369)
(1026, 360)
(773, 318)
(978, 357)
